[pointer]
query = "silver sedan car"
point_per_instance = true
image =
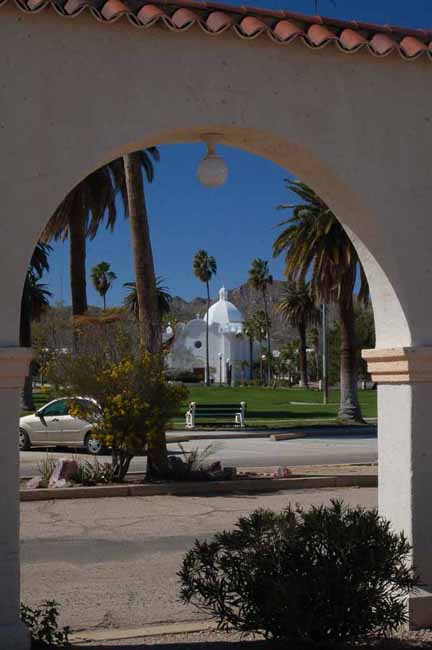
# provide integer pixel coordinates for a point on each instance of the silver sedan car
(52, 425)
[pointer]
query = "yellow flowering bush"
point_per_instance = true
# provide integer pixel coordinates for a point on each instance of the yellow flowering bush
(133, 402)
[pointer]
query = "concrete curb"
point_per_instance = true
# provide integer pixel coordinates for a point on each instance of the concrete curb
(287, 436)
(204, 488)
(87, 636)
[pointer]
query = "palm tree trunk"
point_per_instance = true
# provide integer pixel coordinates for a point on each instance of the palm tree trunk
(25, 339)
(267, 320)
(207, 337)
(148, 308)
(104, 302)
(303, 356)
(250, 358)
(78, 253)
(349, 408)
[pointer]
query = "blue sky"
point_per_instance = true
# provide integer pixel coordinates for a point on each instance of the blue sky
(184, 216)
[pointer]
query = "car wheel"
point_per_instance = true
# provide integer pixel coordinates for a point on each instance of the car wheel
(24, 440)
(92, 445)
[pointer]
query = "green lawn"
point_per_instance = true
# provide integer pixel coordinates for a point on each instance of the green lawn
(270, 408)
(274, 408)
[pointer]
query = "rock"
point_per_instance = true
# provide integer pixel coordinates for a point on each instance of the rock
(63, 471)
(35, 483)
(282, 472)
(223, 474)
(175, 462)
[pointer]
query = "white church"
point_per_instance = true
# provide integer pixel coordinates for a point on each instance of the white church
(229, 348)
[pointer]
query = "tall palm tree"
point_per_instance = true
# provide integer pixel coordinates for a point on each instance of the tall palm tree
(204, 267)
(249, 330)
(163, 295)
(315, 245)
(83, 210)
(136, 165)
(103, 278)
(77, 217)
(298, 308)
(148, 308)
(259, 279)
(34, 301)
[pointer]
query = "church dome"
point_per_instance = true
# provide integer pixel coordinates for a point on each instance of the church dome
(225, 314)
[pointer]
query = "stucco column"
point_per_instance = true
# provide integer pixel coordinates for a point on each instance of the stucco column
(13, 368)
(404, 377)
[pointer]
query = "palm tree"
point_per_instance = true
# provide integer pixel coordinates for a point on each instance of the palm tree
(204, 267)
(78, 217)
(249, 330)
(83, 210)
(259, 279)
(34, 301)
(103, 278)
(316, 245)
(163, 295)
(135, 166)
(148, 308)
(298, 308)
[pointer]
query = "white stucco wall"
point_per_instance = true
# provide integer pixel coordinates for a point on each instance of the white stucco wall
(76, 93)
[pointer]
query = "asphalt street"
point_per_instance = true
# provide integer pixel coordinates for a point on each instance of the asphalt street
(322, 448)
(114, 562)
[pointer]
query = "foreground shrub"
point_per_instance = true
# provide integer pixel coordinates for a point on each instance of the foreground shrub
(43, 626)
(328, 575)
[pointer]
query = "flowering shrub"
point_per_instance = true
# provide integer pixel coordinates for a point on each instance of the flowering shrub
(133, 402)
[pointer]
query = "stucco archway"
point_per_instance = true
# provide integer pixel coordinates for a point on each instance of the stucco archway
(358, 129)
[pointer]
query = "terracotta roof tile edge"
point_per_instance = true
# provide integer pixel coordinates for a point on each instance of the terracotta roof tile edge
(282, 27)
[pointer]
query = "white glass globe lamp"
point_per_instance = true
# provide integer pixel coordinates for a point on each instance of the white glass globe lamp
(212, 171)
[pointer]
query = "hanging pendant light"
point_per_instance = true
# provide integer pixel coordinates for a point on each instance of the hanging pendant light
(212, 171)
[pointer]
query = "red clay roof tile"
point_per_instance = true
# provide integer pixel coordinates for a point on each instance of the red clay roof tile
(250, 22)
(320, 35)
(351, 40)
(218, 21)
(382, 44)
(286, 30)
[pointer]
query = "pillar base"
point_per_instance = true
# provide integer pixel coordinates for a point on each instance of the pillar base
(14, 637)
(420, 608)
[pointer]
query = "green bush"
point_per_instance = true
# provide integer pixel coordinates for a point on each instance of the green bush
(43, 626)
(193, 465)
(93, 473)
(327, 576)
(46, 467)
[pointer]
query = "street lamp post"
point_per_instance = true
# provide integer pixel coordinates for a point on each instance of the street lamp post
(220, 368)
(263, 369)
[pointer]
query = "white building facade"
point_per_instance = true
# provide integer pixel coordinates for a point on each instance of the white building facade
(229, 347)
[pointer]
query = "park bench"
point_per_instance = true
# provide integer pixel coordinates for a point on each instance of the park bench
(216, 412)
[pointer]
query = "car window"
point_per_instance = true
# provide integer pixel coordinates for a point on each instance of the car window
(60, 407)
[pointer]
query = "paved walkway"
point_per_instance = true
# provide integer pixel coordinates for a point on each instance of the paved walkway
(113, 562)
